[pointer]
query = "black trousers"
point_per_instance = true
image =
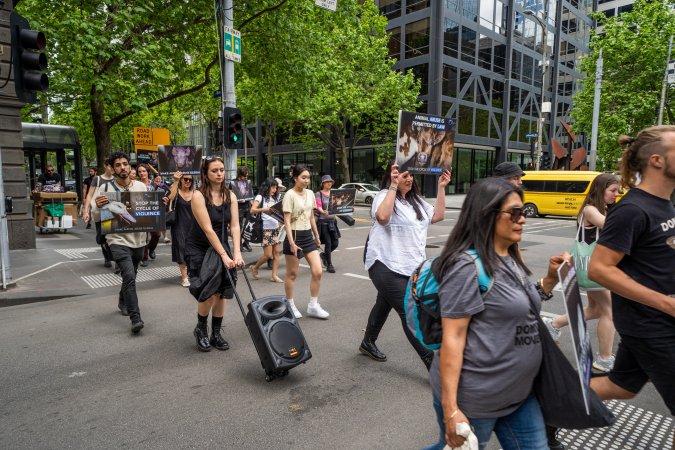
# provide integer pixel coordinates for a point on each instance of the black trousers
(390, 293)
(152, 244)
(329, 241)
(127, 260)
(244, 213)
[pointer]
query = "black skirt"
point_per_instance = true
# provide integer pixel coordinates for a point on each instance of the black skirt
(303, 239)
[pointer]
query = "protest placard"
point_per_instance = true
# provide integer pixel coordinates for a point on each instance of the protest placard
(425, 143)
(179, 158)
(133, 212)
(577, 325)
(341, 201)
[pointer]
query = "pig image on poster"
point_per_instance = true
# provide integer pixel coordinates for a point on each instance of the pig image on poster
(181, 158)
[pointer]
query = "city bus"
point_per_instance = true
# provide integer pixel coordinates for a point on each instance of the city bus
(555, 192)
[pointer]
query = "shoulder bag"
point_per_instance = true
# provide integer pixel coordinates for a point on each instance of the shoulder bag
(171, 215)
(581, 253)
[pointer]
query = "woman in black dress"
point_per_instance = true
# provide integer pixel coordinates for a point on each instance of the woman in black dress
(207, 252)
(180, 200)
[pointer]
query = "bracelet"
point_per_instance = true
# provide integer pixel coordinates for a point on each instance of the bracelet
(393, 189)
(222, 253)
(542, 293)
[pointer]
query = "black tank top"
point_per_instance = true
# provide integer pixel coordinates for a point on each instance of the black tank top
(217, 214)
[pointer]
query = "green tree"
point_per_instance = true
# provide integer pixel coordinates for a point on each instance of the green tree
(634, 50)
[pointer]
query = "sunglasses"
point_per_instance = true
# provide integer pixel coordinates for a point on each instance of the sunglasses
(516, 213)
(189, 180)
(213, 158)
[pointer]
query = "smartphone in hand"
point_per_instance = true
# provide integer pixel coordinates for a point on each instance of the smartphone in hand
(299, 253)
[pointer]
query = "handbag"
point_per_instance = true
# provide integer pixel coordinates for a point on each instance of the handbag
(581, 254)
(253, 229)
(171, 215)
(558, 389)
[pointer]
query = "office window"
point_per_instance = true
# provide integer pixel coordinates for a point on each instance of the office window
(465, 120)
(499, 51)
(470, 10)
(449, 81)
(482, 122)
(515, 65)
(468, 45)
(610, 12)
(451, 38)
(485, 52)
(390, 8)
(515, 99)
(452, 5)
(416, 5)
(528, 68)
(497, 94)
(394, 44)
(421, 72)
(625, 8)
(417, 38)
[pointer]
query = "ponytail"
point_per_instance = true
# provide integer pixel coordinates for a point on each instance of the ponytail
(630, 165)
(638, 150)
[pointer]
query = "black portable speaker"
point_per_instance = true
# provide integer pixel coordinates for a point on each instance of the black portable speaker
(276, 335)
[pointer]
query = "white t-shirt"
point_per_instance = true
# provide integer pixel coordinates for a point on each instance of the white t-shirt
(269, 222)
(300, 206)
(400, 244)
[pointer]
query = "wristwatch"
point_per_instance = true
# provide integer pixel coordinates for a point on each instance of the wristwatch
(543, 294)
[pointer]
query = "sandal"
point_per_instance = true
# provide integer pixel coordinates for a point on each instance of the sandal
(276, 279)
(254, 272)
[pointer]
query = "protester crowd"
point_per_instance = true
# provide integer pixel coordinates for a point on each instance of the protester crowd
(490, 351)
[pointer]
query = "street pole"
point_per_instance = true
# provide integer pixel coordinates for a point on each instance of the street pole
(596, 114)
(4, 234)
(664, 86)
(544, 71)
(228, 98)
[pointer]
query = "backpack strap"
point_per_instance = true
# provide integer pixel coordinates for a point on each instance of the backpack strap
(485, 282)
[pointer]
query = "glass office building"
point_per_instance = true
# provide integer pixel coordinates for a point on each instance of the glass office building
(474, 70)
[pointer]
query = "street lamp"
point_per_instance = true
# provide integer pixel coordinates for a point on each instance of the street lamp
(544, 70)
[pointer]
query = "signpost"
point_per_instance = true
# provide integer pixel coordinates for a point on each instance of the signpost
(330, 5)
(531, 135)
(232, 44)
(150, 138)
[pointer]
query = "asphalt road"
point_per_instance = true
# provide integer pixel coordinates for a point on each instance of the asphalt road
(73, 376)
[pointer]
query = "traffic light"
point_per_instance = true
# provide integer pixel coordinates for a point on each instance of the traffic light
(545, 161)
(234, 132)
(530, 165)
(29, 59)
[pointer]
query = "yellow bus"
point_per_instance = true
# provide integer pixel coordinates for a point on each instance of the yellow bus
(555, 192)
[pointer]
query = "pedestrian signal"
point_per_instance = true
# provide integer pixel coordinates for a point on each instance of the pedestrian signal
(29, 59)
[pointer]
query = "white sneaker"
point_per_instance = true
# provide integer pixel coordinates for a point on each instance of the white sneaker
(295, 310)
(602, 364)
(555, 332)
(317, 311)
(186, 282)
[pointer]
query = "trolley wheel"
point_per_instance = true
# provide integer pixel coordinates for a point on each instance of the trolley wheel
(269, 376)
(284, 372)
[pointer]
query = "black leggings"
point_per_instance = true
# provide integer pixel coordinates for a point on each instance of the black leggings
(391, 288)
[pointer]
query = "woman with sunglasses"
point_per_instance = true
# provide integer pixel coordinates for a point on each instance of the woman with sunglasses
(490, 352)
(180, 199)
(395, 247)
(267, 197)
(208, 253)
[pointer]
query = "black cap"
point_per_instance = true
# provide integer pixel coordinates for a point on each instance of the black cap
(508, 169)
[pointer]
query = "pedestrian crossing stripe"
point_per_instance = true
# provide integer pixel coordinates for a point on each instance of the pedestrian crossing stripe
(143, 275)
(635, 429)
(77, 253)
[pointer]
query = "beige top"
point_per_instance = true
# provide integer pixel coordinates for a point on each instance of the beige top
(132, 240)
(300, 208)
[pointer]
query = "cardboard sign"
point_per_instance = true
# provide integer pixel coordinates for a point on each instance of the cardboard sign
(179, 158)
(341, 201)
(577, 325)
(425, 143)
(133, 212)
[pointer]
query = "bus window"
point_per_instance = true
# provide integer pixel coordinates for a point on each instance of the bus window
(572, 187)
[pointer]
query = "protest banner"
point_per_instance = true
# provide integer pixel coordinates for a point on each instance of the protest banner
(179, 158)
(577, 325)
(425, 143)
(148, 157)
(277, 212)
(133, 212)
(341, 201)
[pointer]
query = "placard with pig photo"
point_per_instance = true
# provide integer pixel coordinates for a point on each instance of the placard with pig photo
(425, 143)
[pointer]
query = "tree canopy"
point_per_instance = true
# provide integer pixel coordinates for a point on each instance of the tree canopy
(634, 50)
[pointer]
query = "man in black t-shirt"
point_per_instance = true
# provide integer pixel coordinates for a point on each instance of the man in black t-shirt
(49, 177)
(635, 259)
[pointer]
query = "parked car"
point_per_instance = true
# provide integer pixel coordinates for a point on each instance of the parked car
(365, 192)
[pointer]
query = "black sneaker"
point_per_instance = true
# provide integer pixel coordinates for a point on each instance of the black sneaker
(330, 268)
(552, 436)
(246, 248)
(137, 326)
(144, 263)
(88, 226)
(123, 309)
(153, 255)
(107, 263)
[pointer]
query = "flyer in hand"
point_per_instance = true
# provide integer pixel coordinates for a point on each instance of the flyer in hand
(425, 143)
(577, 325)
(133, 212)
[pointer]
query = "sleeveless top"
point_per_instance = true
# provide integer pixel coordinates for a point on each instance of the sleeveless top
(197, 240)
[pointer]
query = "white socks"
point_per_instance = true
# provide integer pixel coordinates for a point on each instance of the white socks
(313, 301)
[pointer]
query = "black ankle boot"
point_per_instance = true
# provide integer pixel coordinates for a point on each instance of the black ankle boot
(553, 442)
(217, 340)
(202, 335)
(369, 349)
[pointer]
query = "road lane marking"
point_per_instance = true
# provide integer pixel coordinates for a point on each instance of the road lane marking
(355, 248)
(353, 275)
(77, 253)
(143, 275)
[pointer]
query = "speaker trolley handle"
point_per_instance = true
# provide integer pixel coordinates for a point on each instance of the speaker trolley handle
(234, 288)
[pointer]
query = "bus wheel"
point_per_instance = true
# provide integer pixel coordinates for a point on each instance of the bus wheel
(530, 210)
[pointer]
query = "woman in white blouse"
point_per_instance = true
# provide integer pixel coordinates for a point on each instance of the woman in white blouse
(395, 247)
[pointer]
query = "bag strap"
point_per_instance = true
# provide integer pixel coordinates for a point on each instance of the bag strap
(581, 229)
(485, 281)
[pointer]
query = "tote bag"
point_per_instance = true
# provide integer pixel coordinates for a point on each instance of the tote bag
(581, 253)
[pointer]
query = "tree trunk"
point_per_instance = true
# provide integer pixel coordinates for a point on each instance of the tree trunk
(344, 154)
(101, 128)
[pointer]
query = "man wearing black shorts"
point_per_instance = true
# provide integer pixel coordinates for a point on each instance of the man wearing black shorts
(635, 259)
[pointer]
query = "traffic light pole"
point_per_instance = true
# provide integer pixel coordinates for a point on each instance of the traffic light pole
(229, 98)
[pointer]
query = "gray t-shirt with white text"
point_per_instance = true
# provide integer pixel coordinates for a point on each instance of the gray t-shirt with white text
(502, 353)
